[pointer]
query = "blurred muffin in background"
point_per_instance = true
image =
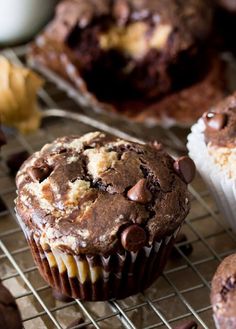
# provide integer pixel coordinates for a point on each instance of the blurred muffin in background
(127, 48)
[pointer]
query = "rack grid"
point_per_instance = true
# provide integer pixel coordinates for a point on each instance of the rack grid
(179, 295)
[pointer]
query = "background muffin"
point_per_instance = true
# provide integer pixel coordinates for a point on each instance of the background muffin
(127, 48)
(95, 208)
(223, 294)
(212, 145)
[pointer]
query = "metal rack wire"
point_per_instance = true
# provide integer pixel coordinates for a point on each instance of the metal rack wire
(182, 293)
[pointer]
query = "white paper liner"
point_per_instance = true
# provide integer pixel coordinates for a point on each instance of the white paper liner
(222, 187)
(216, 322)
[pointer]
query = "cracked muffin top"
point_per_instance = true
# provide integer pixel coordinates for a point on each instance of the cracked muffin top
(97, 193)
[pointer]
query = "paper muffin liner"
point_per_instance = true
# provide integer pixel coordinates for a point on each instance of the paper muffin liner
(222, 188)
(96, 277)
(222, 322)
(217, 324)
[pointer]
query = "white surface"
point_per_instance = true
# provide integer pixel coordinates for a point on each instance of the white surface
(22, 19)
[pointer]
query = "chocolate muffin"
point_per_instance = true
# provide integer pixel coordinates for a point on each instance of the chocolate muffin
(9, 314)
(184, 107)
(223, 294)
(215, 136)
(101, 214)
(126, 48)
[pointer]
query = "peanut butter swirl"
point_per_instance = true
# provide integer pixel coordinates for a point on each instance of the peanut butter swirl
(96, 193)
(18, 89)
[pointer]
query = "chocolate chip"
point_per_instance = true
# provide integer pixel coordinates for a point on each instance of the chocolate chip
(186, 247)
(133, 238)
(158, 146)
(121, 11)
(40, 173)
(59, 296)
(187, 325)
(215, 121)
(14, 161)
(139, 192)
(185, 167)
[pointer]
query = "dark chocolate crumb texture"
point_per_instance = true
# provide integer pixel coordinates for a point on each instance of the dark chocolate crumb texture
(223, 293)
(125, 48)
(99, 194)
(220, 123)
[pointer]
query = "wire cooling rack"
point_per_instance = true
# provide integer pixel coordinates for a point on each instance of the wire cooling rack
(179, 295)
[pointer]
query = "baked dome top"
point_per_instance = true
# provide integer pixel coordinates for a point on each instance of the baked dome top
(81, 193)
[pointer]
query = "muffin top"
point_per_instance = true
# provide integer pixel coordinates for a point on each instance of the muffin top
(190, 19)
(220, 123)
(223, 292)
(94, 193)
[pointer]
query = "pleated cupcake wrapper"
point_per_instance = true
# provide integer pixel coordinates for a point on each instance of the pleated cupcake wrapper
(216, 322)
(94, 278)
(222, 188)
(224, 322)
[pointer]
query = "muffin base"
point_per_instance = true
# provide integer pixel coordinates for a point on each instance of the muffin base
(96, 277)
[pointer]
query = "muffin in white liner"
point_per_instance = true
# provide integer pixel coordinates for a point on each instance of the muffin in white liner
(212, 146)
